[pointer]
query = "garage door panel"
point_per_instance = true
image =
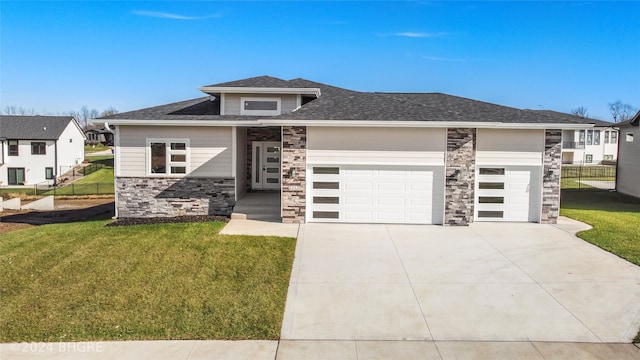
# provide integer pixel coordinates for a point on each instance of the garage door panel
(385, 194)
(391, 201)
(391, 186)
(358, 200)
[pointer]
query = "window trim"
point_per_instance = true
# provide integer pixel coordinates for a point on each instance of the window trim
(38, 143)
(168, 152)
(278, 110)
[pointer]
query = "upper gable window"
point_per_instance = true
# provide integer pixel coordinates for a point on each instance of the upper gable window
(259, 106)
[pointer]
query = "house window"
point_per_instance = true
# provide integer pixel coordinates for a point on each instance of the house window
(16, 176)
(614, 137)
(13, 147)
(588, 158)
(606, 137)
(259, 106)
(48, 173)
(170, 157)
(38, 148)
(596, 137)
(581, 137)
(589, 137)
(629, 137)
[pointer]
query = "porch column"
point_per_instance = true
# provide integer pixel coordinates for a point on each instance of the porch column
(294, 166)
(460, 171)
(551, 176)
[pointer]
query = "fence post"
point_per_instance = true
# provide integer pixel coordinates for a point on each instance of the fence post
(97, 188)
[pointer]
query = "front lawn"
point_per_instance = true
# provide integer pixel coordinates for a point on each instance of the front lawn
(84, 281)
(615, 219)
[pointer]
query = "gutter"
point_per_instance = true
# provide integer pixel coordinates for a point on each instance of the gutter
(422, 124)
(178, 122)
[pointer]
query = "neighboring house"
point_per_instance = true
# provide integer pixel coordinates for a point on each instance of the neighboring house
(338, 155)
(103, 136)
(628, 173)
(596, 145)
(38, 149)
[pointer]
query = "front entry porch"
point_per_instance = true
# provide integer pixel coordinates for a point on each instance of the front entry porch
(258, 213)
(262, 206)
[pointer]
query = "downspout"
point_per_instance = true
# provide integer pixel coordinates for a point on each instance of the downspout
(55, 162)
(619, 137)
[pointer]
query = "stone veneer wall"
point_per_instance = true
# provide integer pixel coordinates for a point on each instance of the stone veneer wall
(552, 167)
(259, 134)
(460, 176)
(170, 197)
(294, 167)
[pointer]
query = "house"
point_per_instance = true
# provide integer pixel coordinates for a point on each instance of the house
(95, 136)
(37, 149)
(337, 155)
(594, 145)
(628, 172)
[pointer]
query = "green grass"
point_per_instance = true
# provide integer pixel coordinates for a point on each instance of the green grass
(615, 219)
(88, 149)
(84, 281)
(99, 182)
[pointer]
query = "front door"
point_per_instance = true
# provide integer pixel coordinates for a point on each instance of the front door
(265, 167)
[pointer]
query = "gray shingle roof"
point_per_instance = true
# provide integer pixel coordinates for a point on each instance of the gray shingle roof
(564, 117)
(635, 121)
(258, 81)
(342, 104)
(33, 127)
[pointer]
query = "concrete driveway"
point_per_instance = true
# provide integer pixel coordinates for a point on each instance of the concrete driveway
(485, 282)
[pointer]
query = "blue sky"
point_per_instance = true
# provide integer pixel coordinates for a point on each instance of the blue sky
(57, 56)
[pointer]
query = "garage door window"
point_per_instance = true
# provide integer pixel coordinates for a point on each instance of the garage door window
(492, 171)
(326, 185)
(491, 214)
(326, 170)
(326, 215)
(491, 185)
(491, 200)
(326, 200)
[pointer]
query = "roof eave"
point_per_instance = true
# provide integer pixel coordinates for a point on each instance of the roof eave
(422, 124)
(151, 122)
(211, 90)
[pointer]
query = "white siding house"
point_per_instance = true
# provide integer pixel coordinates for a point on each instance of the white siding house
(38, 149)
(628, 174)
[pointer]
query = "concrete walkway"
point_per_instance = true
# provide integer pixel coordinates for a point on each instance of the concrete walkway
(314, 349)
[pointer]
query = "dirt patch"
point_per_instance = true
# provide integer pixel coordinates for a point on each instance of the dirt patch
(66, 211)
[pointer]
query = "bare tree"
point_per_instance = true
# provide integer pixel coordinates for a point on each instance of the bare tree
(109, 111)
(580, 111)
(10, 110)
(15, 110)
(621, 111)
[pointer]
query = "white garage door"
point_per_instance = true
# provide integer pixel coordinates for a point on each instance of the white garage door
(507, 193)
(375, 194)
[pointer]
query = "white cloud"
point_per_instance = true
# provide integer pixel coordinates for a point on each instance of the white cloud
(435, 58)
(412, 34)
(165, 15)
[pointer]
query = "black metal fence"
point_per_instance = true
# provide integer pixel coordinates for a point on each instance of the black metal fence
(589, 177)
(74, 189)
